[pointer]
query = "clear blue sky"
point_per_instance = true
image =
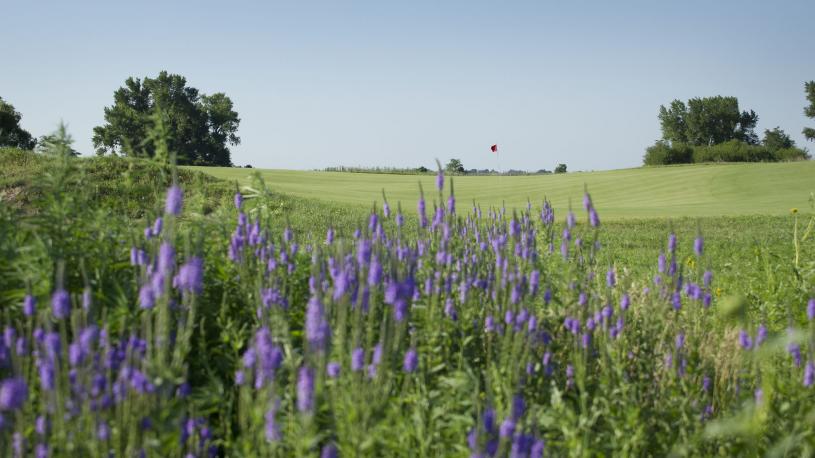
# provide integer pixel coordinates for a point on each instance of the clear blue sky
(379, 83)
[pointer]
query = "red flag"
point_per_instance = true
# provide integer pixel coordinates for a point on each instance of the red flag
(494, 148)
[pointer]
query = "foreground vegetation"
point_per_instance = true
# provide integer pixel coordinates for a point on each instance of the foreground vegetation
(449, 330)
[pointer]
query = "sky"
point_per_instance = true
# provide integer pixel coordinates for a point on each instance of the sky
(400, 84)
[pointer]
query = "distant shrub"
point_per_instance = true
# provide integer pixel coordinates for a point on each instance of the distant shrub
(561, 168)
(732, 151)
(663, 153)
(792, 154)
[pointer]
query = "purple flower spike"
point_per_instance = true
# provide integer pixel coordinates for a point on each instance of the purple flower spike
(672, 243)
(594, 218)
(744, 340)
(329, 451)
(611, 278)
(29, 305)
(698, 245)
(174, 201)
(411, 361)
(60, 304)
(190, 276)
(357, 359)
(811, 309)
(333, 369)
(13, 393)
(305, 390)
(440, 180)
(809, 374)
(507, 428)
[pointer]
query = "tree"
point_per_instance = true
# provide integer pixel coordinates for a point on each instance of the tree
(561, 168)
(11, 134)
(454, 166)
(809, 111)
(707, 121)
(673, 122)
(195, 126)
(777, 139)
(57, 143)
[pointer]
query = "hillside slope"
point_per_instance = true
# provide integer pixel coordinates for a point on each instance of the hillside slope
(693, 190)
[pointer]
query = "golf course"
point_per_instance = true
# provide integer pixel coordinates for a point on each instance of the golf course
(645, 192)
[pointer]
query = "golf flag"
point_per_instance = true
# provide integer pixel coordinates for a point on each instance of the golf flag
(494, 148)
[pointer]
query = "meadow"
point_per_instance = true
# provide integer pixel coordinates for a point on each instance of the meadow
(155, 311)
(646, 192)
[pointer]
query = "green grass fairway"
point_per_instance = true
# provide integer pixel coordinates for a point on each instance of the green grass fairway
(693, 190)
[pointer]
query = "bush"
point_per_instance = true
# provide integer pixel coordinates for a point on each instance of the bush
(732, 151)
(662, 153)
(561, 168)
(791, 154)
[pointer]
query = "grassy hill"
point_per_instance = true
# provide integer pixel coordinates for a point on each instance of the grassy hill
(692, 190)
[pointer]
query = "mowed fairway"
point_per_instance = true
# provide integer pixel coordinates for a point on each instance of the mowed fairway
(692, 190)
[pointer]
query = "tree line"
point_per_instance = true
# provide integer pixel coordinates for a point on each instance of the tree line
(199, 129)
(196, 128)
(714, 129)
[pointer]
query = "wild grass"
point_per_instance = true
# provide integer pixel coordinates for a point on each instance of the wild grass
(465, 349)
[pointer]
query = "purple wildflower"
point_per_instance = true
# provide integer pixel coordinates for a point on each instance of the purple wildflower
(166, 258)
(238, 200)
(707, 278)
(29, 305)
(190, 276)
(174, 201)
(411, 361)
(13, 393)
(329, 451)
(698, 245)
(271, 429)
(147, 298)
(671, 242)
(625, 302)
(744, 340)
(333, 369)
(507, 428)
(103, 431)
(305, 389)
(594, 218)
(677, 301)
(357, 359)
(611, 278)
(811, 309)
(809, 374)
(317, 328)
(761, 334)
(680, 340)
(60, 304)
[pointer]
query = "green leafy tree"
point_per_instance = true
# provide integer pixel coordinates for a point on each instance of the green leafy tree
(561, 168)
(196, 127)
(454, 166)
(57, 143)
(809, 111)
(777, 139)
(707, 121)
(11, 134)
(673, 122)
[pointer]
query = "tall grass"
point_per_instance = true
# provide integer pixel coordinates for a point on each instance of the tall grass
(171, 331)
